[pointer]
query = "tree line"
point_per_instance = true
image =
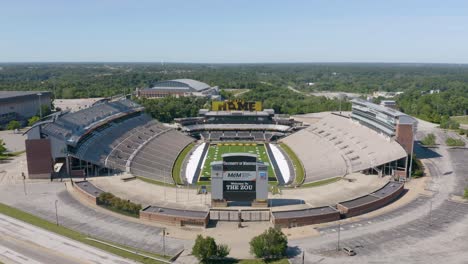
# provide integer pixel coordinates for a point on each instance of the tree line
(267, 82)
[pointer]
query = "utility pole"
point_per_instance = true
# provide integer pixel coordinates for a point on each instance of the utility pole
(56, 212)
(164, 242)
(339, 230)
(430, 214)
(24, 183)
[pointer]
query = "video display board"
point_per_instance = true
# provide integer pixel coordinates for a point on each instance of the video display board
(239, 178)
(236, 105)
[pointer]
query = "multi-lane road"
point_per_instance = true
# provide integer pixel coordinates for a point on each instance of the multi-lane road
(24, 243)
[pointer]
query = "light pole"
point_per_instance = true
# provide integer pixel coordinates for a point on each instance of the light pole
(40, 106)
(24, 183)
(24, 177)
(430, 214)
(56, 212)
(339, 230)
(164, 242)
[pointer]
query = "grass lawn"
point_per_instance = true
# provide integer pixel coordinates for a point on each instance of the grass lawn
(460, 119)
(300, 173)
(39, 222)
(178, 164)
(215, 152)
(321, 182)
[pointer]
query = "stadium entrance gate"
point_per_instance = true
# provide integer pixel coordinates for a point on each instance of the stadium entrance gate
(245, 215)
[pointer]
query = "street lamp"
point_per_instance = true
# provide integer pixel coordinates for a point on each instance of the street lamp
(164, 242)
(40, 106)
(24, 177)
(24, 183)
(339, 229)
(56, 212)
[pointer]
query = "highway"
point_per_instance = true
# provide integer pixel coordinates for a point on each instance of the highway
(24, 243)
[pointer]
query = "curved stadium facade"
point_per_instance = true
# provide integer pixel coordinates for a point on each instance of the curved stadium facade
(117, 136)
(113, 137)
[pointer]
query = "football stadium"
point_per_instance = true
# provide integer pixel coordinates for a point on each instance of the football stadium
(236, 151)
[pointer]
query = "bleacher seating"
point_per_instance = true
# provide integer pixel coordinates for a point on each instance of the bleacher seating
(243, 134)
(156, 159)
(117, 135)
(335, 146)
(72, 126)
(216, 135)
(258, 136)
(100, 144)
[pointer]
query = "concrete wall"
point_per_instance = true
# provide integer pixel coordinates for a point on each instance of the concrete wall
(88, 197)
(368, 207)
(173, 220)
(306, 220)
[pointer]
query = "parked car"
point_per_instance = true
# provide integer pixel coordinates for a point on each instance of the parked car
(349, 251)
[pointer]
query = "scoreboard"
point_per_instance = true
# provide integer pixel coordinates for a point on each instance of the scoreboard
(239, 190)
(239, 177)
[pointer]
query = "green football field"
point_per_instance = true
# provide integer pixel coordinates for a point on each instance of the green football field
(215, 152)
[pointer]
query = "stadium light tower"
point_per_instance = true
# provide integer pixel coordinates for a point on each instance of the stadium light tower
(40, 106)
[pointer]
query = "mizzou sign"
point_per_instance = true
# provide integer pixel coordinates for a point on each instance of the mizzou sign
(236, 105)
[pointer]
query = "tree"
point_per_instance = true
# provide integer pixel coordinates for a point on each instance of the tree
(13, 125)
(222, 251)
(33, 120)
(2, 147)
(270, 244)
(45, 110)
(206, 249)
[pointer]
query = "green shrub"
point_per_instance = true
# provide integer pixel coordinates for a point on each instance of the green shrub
(113, 202)
(271, 244)
(446, 122)
(2, 147)
(429, 140)
(206, 249)
(465, 195)
(33, 120)
(13, 125)
(454, 142)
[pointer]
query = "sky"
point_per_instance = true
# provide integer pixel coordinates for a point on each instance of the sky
(233, 31)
